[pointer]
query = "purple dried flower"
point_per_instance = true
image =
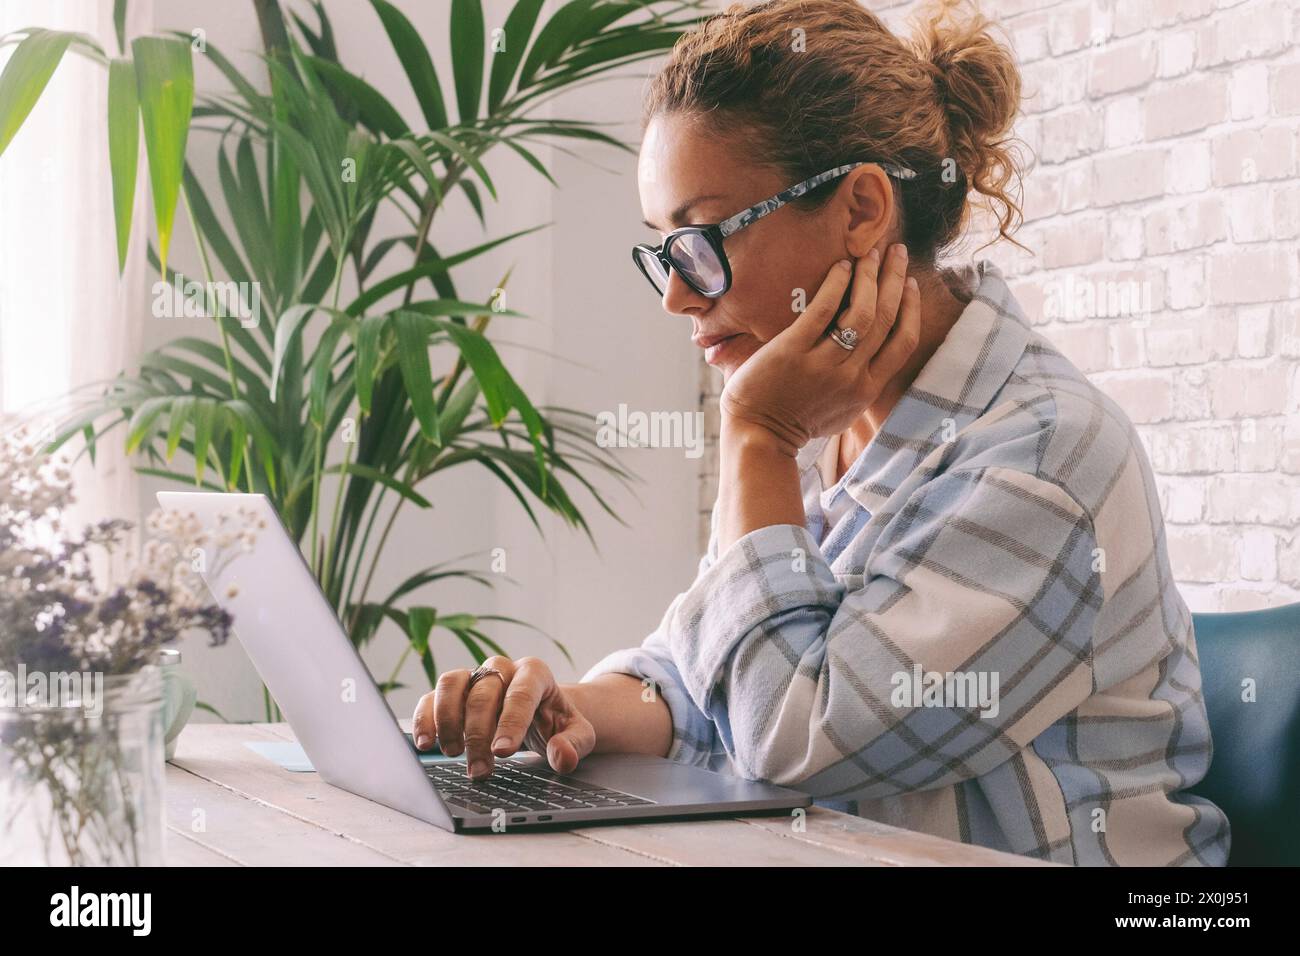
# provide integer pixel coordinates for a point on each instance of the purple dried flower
(53, 613)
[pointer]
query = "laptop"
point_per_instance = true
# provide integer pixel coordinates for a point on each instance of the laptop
(353, 739)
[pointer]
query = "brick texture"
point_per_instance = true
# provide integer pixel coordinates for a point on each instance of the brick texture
(1162, 142)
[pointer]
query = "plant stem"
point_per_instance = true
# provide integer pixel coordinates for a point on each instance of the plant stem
(225, 341)
(207, 274)
(406, 651)
(379, 549)
(318, 465)
(455, 170)
(360, 557)
(315, 503)
(332, 541)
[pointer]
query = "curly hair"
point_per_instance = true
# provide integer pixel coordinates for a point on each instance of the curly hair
(812, 84)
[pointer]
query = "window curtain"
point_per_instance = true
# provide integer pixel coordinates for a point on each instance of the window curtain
(67, 319)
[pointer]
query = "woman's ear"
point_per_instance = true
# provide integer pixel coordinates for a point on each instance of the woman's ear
(866, 198)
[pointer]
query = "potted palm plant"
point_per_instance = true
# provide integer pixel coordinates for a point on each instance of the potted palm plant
(323, 389)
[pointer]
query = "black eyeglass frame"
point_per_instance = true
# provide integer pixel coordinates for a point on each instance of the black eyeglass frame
(714, 234)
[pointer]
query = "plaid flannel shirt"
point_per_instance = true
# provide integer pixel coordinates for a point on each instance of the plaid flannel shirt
(1004, 528)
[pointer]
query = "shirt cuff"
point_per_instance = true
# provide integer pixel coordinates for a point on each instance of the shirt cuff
(693, 733)
(760, 578)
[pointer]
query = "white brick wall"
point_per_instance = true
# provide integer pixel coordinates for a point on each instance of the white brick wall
(1165, 140)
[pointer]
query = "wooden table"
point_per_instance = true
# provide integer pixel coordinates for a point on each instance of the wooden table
(227, 805)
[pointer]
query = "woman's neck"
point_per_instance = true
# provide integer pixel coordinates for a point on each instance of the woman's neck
(940, 310)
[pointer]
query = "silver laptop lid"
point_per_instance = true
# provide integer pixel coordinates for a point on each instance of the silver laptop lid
(305, 658)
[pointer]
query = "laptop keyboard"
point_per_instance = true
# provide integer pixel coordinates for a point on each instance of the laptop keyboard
(514, 786)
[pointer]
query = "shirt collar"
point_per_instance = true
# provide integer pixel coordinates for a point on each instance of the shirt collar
(959, 381)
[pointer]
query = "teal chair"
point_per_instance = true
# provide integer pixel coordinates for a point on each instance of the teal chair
(1255, 774)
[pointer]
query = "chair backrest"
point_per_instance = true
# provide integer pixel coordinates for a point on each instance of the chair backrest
(1254, 776)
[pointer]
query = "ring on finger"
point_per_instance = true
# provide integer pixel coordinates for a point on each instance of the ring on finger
(483, 670)
(846, 337)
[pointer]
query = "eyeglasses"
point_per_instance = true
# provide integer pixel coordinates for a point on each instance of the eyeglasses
(696, 251)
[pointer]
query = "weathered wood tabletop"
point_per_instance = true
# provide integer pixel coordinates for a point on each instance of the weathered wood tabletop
(229, 806)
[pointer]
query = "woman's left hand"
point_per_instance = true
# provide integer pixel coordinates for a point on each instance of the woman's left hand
(801, 384)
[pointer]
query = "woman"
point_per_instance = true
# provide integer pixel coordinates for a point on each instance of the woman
(936, 592)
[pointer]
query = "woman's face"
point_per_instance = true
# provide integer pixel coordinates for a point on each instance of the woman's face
(687, 177)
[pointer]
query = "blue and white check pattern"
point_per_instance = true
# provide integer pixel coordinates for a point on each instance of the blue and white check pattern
(1004, 524)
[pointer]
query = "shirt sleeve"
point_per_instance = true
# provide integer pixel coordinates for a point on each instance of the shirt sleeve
(983, 581)
(694, 737)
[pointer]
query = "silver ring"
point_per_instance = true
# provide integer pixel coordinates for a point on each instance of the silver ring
(846, 339)
(478, 673)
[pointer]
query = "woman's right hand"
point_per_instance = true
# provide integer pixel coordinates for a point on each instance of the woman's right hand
(801, 384)
(523, 709)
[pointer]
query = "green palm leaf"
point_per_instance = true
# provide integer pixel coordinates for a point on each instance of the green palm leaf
(123, 148)
(467, 51)
(165, 84)
(24, 78)
(412, 331)
(517, 32)
(415, 60)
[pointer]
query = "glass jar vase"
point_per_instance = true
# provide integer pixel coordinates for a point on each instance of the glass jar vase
(81, 778)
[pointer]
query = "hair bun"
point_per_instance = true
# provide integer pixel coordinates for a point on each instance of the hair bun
(977, 85)
(975, 74)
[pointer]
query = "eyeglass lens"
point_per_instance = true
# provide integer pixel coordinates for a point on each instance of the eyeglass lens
(653, 268)
(691, 255)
